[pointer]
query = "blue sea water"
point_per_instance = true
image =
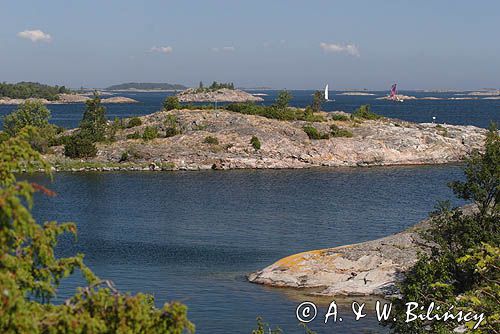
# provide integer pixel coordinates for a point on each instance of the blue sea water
(463, 112)
(193, 236)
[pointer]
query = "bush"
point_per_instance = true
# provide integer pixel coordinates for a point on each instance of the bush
(339, 117)
(124, 157)
(135, 135)
(26, 90)
(211, 140)
(29, 113)
(365, 112)
(338, 132)
(172, 131)
(94, 124)
(150, 132)
(255, 143)
(313, 133)
(80, 146)
(171, 103)
(286, 114)
(133, 122)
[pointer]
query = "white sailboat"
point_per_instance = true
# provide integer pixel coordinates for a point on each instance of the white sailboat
(326, 94)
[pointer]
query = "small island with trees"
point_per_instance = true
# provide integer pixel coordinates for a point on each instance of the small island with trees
(19, 93)
(146, 87)
(216, 92)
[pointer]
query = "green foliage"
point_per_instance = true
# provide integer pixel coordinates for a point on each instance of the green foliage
(318, 99)
(364, 112)
(150, 132)
(264, 328)
(80, 146)
(93, 125)
(335, 131)
(124, 157)
(313, 133)
(463, 268)
(30, 113)
(283, 99)
(133, 122)
(135, 135)
(211, 140)
(30, 271)
(171, 103)
(171, 126)
(287, 114)
(26, 90)
(255, 143)
(339, 117)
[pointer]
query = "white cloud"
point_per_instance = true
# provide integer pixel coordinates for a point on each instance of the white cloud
(35, 35)
(350, 49)
(162, 49)
(224, 49)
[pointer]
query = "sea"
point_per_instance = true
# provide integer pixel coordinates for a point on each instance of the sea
(193, 237)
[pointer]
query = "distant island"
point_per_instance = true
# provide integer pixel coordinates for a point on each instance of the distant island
(146, 86)
(18, 93)
(26, 90)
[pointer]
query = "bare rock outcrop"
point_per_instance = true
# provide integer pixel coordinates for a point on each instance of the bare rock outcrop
(220, 95)
(368, 268)
(284, 144)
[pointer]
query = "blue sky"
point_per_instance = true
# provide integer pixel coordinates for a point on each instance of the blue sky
(282, 44)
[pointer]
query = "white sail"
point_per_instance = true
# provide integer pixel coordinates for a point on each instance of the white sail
(326, 92)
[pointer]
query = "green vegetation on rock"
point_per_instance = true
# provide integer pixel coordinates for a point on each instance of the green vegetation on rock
(150, 133)
(314, 133)
(26, 90)
(255, 143)
(211, 140)
(364, 112)
(133, 122)
(171, 103)
(462, 269)
(335, 131)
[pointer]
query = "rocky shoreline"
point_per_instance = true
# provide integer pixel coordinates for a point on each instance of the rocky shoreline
(68, 99)
(367, 268)
(284, 144)
(220, 95)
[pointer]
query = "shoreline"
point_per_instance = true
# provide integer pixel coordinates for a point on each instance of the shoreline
(370, 268)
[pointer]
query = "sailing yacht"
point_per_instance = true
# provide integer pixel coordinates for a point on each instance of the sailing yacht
(326, 94)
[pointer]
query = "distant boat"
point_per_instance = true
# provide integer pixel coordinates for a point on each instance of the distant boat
(394, 94)
(326, 94)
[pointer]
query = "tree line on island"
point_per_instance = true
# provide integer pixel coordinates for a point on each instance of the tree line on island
(462, 270)
(26, 90)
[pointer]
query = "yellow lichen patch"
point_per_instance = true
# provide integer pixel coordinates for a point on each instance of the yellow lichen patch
(295, 261)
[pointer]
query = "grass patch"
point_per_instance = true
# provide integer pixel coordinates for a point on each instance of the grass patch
(335, 131)
(211, 140)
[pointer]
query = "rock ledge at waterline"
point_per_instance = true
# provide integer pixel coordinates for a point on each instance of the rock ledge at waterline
(368, 268)
(284, 144)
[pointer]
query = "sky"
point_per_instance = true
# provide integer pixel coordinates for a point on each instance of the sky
(425, 44)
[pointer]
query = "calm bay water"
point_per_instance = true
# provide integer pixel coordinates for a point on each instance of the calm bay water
(462, 112)
(193, 236)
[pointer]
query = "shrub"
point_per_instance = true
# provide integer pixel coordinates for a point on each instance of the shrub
(30, 113)
(172, 131)
(135, 135)
(94, 123)
(335, 131)
(211, 140)
(80, 146)
(283, 100)
(365, 112)
(171, 103)
(286, 114)
(255, 143)
(339, 117)
(124, 157)
(150, 132)
(313, 133)
(133, 122)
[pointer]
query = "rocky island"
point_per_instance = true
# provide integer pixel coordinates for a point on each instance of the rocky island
(67, 99)
(190, 139)
(219, 95)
